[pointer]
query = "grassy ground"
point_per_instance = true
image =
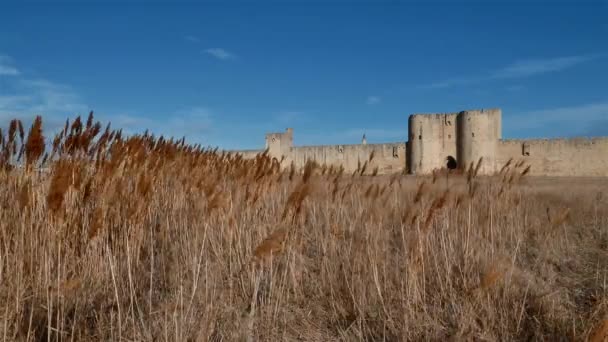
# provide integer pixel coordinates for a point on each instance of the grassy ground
(148, 239)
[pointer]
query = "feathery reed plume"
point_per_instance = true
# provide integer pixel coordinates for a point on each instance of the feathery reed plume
(296, 198)
(24, 195)
(340, 172)
(67, 286)
(473, 189)
(21, 152)
(12, 130)
(273, 245)
(144, 185)
(375, 172)
(345, 191)
(477, 167)
(34, 147)
(76, 126)
(308, 170)
(437, 204)
(526, 170)
(420, 192)
(10, 148)
(368, 191)
(504, 167)
(60, 181)
(459, 200)
(21, 131)
(90, 121)
(371, 156)
(384, 188)
(490, 277)
(600, 333)
(218, 201)
(393, 178)
(363, 168)
(470, 173)
(375, 193)
(560, 218)
(334, 191)
(87, 192)
(66, 127)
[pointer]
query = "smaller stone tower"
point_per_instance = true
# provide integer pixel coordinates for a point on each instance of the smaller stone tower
(280, 144)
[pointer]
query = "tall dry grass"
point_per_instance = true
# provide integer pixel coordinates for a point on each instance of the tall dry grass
(108, 237)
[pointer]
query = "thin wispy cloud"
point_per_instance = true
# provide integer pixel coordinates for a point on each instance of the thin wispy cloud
(192, 39)
(514, 88)
(6, 67)
(372, 100)
(220, 54)
(24, 98)
(519, 69)
(576, 120)
(191, 122)
(533, 67)
(289, 117)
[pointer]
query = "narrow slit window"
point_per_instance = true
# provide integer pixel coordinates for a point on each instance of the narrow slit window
(525, 149)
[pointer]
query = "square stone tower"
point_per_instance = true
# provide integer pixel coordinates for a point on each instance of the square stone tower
(280, 144)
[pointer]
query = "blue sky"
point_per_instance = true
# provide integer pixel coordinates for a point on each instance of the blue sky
(224, 73)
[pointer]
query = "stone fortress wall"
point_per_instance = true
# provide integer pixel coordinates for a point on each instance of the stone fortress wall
(465, 136)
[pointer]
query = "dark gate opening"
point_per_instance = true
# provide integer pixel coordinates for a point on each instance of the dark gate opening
(451, 164)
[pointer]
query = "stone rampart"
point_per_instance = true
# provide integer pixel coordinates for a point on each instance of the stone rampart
(465, 137)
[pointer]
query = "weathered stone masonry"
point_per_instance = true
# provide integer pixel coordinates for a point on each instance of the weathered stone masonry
(466, 136)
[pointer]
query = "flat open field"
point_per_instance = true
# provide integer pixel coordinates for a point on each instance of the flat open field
(142, 238)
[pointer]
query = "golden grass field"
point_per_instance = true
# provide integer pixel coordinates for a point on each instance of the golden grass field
(139, 238)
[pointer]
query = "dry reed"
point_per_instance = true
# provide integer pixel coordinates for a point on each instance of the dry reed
(139, 237)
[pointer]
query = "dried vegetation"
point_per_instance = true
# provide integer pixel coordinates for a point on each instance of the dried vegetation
(107, 237)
